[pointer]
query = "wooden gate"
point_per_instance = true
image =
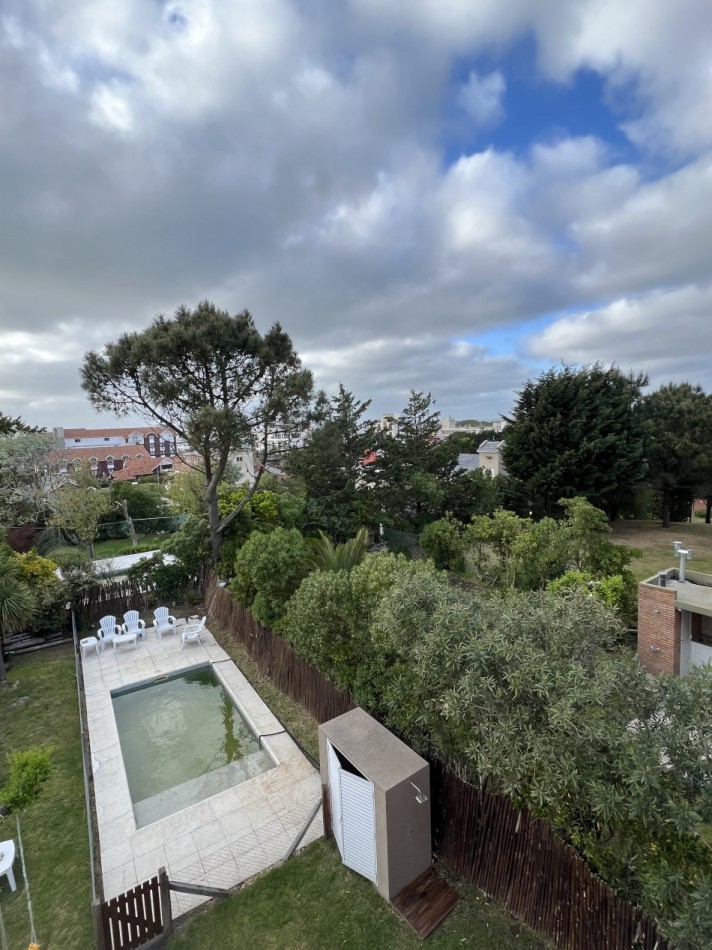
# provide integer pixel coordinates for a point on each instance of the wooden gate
(135, 918)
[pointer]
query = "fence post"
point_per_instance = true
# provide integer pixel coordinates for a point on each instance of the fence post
(98, 925)
(165, 896)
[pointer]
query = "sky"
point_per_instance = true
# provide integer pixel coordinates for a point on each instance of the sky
(449, 196)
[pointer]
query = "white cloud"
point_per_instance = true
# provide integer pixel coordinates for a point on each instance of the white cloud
(667, 334)
(481, 97)
(294, 159)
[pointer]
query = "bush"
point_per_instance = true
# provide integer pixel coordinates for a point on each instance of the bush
(619, 591)
(444, 543)
(190, 543)
(268, 570)
(39, 573)
(166, 580)
(68, 558)
(28, 770)
(138, 549)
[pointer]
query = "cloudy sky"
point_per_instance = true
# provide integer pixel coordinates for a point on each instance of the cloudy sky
(446, 195)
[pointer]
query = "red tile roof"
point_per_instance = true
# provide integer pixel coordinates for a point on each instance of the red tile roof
(124, 431)
(137, 468)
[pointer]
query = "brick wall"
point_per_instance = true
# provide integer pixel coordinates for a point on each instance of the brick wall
(659, 626)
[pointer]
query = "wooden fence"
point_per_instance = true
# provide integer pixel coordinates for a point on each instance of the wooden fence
(514, 858)
(118, 596)
(141, 917)
(521, 862)
(275, 658)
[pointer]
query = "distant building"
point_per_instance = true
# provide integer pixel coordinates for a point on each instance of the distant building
(450, 426)
(487, 457)
(388, 423)
(490, 456)
(110, 451)
(468, 461)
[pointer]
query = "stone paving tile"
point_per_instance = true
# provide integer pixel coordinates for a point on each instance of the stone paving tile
(223, 840)
(149, 863)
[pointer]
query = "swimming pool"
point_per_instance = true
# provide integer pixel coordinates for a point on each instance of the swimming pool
(183, 739)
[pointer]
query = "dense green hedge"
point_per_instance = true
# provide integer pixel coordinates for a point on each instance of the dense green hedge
(531, 692)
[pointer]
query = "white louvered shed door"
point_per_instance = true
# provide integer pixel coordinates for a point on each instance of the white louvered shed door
(335, 795)
(358, 825)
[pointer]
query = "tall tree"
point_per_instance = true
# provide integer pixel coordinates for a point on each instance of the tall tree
(27, 478)
(332, 465)
(79, 506)
(414, 471)
(576, 432)
(9, 426)
(679, 420)
(215, 380)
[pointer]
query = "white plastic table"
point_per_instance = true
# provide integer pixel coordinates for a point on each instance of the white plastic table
(125, 638)
(7, 856)
(89, 643)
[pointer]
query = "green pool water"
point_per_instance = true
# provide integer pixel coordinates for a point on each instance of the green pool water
(183, 740)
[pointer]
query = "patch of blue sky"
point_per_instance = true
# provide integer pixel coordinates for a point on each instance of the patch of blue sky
(536, 108)
(511, 339)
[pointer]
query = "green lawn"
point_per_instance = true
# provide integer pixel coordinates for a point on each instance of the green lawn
(54, 828)
(314, 903)
(104, 549)
(656, 544)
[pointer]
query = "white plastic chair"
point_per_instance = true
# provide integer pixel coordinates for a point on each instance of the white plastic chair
(192, 631)
(132, 624)
(163, 622)
(108, 628)
(7, 857)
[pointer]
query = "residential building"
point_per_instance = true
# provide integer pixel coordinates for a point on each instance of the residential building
(490, 455)
(450, 426)
(675, 621)
(110, 450)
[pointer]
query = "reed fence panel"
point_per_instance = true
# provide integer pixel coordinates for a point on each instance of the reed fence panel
(274, 657)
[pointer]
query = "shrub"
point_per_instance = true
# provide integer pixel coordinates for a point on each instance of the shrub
(68, 558)
(138, 549)
(619, 591)
(166, 580)
(29, 768)
(190, 543)
(39, 573)
(268, 570)
(444, 543)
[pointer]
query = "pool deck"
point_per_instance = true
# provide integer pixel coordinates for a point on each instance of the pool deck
(221, 840)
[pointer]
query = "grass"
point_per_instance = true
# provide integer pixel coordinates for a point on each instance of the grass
(312, 902)
(656, 544)
(54, 828)
(104, 549)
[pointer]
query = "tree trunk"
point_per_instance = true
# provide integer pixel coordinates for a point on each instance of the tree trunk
(214, 524)
(129, 522)
(708, 508)
(666, 507)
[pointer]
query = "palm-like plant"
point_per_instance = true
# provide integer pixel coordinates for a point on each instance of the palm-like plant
(17, 601)
(327, 556)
